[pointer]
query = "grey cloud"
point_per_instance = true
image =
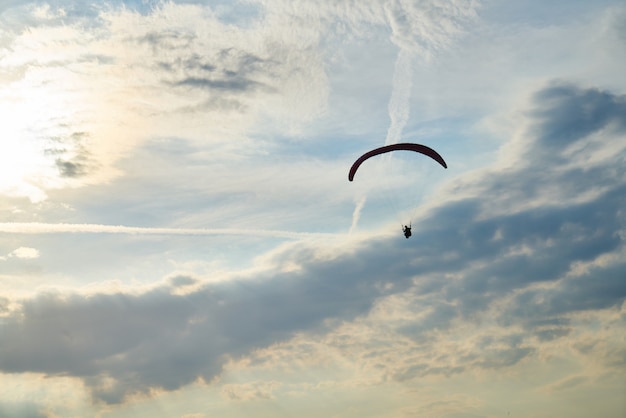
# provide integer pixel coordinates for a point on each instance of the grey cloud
(570, 383)
(159, 339)
(567, 114)
(424, 369)
(619, 26)
(498, 254)
(552, 333)
(182, 281)
(557, 237)
(177, 58)
(70, 168)
(4, 304)
(616, 358)
(613, 357)
(72, 158)
(167, 40)
(495, 352)
(226, 69)
(231, 83)
(217, 102)
(601, 288)
(495, 359)
(233, 71)
(21, 410)
(439, 318)
(121, 336)
(194, 62)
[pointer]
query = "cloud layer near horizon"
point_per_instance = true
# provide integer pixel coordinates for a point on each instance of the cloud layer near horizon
(533, 250)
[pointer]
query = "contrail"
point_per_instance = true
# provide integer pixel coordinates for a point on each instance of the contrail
(399, 103)
(64, 228)
(357, 214)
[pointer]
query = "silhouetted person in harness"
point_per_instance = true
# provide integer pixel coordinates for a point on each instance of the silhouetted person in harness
(407, 231)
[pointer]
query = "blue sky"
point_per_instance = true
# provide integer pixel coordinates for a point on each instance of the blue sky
(178, 236)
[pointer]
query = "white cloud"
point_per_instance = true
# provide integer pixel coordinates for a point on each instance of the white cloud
(24, 253)
(101, 90)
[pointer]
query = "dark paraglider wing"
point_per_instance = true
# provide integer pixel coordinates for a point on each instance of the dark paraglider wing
(422, 149)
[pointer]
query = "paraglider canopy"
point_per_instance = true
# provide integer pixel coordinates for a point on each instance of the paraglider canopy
(405, 146)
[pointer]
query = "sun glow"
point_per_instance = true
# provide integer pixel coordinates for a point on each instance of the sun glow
(20, 160)
(46, 105)
(35, 113)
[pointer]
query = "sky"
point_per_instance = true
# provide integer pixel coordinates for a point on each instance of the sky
(179, 238)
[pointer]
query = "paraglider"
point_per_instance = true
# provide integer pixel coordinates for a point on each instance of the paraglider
(405, 146)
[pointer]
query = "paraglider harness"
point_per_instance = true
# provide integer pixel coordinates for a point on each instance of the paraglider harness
(407, 231)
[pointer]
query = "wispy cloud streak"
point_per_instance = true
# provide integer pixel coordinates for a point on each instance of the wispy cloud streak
(60, 228)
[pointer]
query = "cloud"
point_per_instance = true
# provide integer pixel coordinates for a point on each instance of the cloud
(568, 383)
(21, 410)
(249, 391)
(237, 72)
(24, 253)
(566, 114)
(60, 228)
(121, 343)
(427, 26)
(122, 75)
(506, 246)
(87, 92)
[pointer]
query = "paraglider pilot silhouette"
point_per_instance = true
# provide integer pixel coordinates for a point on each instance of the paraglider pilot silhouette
(422, 149)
